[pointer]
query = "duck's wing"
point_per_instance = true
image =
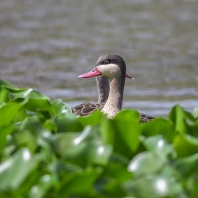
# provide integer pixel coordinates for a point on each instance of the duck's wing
(145, 118)
(86, 108)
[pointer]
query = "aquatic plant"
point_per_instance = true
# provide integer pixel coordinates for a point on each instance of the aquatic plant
(46, 151)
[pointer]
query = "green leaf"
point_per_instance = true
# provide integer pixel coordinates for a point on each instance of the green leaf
(158, 144)
(27, 139)
(145, 163)
(128, 116)
(178, 115)
(195, 112)
(185, 145)
(83, 148)
(154, 186)
(159, 126)
(4, 131)
(4, 94)
(9, 111)
(187, 165)
(123, 135)
(91, 119)
(27, 93)
(8, 85)
(117, 171)
(14, 170)
(67, 123)
(39, 105)
(79, 183)
(60, 107)
(42, 186)
(192, 185)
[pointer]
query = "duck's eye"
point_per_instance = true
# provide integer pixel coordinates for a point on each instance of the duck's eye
(107, 62)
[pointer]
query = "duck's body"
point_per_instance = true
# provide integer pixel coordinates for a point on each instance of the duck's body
(114, 68)
(103, 92)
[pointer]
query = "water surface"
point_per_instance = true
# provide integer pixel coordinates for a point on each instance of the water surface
(47, 44)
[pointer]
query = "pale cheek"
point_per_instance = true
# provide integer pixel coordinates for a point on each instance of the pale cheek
(110, 70)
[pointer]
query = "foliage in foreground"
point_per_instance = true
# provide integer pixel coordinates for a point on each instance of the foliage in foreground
(46, 151)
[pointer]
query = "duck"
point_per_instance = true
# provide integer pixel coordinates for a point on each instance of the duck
(114, 68)
(102, 83)
(84, 109)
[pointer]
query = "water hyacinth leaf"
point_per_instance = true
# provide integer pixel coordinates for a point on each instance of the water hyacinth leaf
(4, 131)
(158, 144)
(122, 135)
(187, 165)
(8, 85)
(178, 115)
(39, 105)
(14, 171)
(145, 163)
(129, 133)
(192, 185)
(83, 148)
(91, 119)
(159, 126)
(50, 126)
(4, 94)
(185, 145)
(79, 183)
(67, 123)
(128, 115)
(60, 107)
(28, 93)
(117, 172)
(27, 139)
(195, 112)
(9, 111)
(154, 186)
(114, 189)
(42, 186)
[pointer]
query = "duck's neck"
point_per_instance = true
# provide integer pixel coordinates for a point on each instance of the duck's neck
(114, 102)
(103, 88)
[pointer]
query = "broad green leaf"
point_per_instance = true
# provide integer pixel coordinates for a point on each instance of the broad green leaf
(128, 116)
(9, 111)
(4, 94)
(4, 131)
(92, 119)
(117, 172)
(195, 112)
(155, 186)
(28, 93)
(42, 186)
(114, 189)
(79, 183)
(178, 115)
(159, 126)
(60, 107)
(145, 163)
(122, 135)
(185, 145)
(187, 165)
(14, 170)
(192, 185)
(8, 85)
(67, 123)
(129, 132)
(27, 139)
(158, 144)
(50, 126)
(83, 148)
(39, 105)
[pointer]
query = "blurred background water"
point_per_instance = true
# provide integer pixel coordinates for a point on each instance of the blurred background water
(46, 44)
